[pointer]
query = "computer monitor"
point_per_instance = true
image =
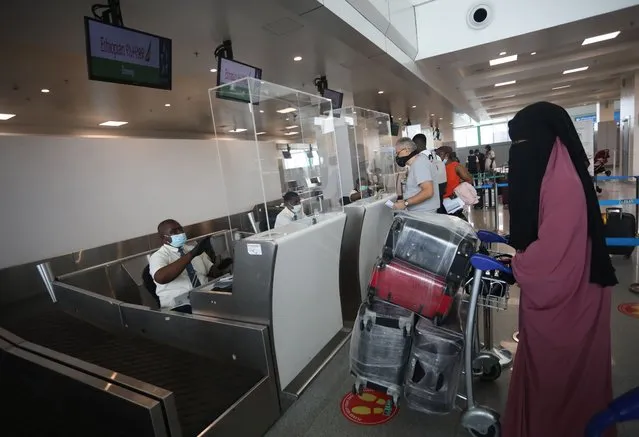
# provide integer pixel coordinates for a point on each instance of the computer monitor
(229, 71)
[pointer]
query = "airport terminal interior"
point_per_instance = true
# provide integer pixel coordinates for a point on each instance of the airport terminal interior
(203, 225)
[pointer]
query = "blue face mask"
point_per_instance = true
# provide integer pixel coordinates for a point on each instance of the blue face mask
(178, 240)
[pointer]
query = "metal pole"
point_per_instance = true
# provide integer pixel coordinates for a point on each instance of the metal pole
(636, 196)
(496, 202)
(47, 277)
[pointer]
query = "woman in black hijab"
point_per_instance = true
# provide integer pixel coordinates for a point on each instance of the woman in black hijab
(562, 372)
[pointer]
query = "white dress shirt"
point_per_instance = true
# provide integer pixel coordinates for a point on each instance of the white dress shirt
(176, 292)
(287, 216)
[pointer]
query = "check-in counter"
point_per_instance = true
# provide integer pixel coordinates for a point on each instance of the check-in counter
(287, 278)
(367, 224)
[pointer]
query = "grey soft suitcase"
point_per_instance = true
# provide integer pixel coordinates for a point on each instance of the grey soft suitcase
(380, 346)
(434, 368)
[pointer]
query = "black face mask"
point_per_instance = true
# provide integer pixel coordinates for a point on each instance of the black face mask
(403, 160)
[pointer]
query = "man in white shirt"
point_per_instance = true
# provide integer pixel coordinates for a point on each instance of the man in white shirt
(439, 168)
(292, 210)
(421, 194)
(177, 268)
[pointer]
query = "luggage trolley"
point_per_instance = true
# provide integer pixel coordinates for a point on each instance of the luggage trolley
(494, 358)
(387, 347)
(478, 420)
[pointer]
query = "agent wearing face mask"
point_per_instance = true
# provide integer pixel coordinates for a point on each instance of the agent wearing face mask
(292, 210)
(177, 268)
(361, 191)
(421, 194)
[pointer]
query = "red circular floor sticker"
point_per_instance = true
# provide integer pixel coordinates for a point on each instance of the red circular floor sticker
(369, 408)
(629, 309)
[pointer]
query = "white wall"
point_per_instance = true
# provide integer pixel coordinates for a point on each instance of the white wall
(442, 26)
(63, 194)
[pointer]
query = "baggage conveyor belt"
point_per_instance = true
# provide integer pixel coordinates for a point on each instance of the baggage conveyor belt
(203, 388)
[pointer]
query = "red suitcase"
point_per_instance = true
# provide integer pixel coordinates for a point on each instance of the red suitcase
(412, 288)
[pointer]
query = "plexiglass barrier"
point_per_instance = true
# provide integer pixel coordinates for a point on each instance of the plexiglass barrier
(272, 140)
(366, 153)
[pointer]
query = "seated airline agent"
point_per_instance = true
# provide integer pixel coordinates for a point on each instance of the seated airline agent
(292, 210)
(361, 190)
(177, 268)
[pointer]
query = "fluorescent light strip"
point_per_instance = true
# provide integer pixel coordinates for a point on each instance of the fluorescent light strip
(237, 131)
(291, 127)
(510, 82)
(114, 123)
(599, 38)
(260, 133)
(503, 60)
(291, 133)
(576, 70)
(561, 87)
(6, 116)
(286, 110)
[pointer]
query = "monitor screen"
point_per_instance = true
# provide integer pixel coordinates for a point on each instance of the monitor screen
(335, 96)
(121, 55)
(315, 180)
(229, 71)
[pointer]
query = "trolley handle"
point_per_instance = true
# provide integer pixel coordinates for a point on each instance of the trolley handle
(491, 237)
(486, 263)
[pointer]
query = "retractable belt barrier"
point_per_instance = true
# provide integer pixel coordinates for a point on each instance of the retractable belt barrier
(604, 202)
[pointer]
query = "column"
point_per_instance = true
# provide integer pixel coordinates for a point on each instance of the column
(605, 111)
(629, 103)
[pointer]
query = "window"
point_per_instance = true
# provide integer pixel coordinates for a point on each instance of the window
(466, 137)
(299, 159)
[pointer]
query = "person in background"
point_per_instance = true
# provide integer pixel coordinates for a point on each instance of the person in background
(177, 267)
(472, 163)
(362, 190)
(421, 193)
(439, 169)
(562, 375)
(456, 173)
(490, 159)
(481, 158)
(292, 210)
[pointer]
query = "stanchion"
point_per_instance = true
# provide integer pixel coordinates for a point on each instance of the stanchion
(497, 202)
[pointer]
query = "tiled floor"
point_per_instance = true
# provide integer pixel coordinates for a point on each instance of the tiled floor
(317, 413)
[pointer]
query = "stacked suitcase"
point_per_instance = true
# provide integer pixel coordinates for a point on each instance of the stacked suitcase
(422, 266)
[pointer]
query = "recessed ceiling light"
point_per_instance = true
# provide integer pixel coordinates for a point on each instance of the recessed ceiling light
(414, 106)
(286, 110)
(441, 118)
(114, 123)
(379, 122)
(291, 127)
(510, 82)
(533, 53)
(297, 58)
(6, 116)
(599, 38)
(237, 130)
(451, 122)
(561, 87)
(261, 111)
(45, 90)
(576, 70)
(291, 133)
(213, 70)
(380, 92)
(432, 115)
(167, 104)
(503, 60)
(502, 53)
(260, 133)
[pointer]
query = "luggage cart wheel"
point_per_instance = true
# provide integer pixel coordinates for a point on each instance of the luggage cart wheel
(491, 372)
(608, 172)
(481, 422)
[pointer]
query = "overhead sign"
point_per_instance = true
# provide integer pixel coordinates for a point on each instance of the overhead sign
(121, 55)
